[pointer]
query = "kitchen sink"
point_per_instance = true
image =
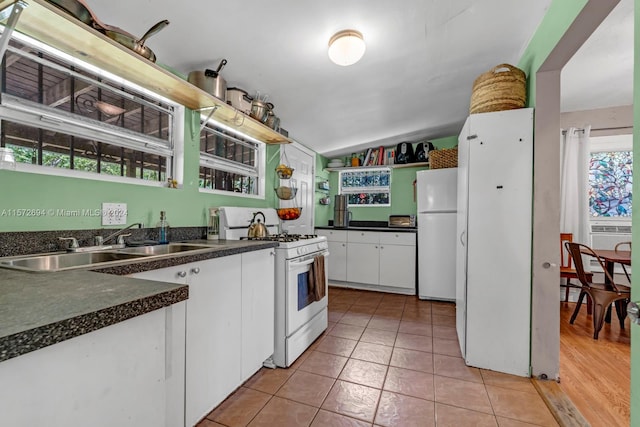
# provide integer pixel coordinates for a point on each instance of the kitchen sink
(89, 259)
(171, 248)
(66, 261)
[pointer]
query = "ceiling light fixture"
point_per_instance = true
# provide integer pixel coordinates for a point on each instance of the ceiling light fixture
(346, 47)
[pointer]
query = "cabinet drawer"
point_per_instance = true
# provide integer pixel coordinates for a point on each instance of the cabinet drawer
(333, 235)
(354, 236)
(390, 238)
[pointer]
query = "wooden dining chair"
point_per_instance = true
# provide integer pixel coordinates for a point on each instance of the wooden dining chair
(566, 269)
(619, 247)
(602, 294)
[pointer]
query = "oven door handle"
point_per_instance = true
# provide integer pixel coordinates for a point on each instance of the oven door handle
(300, 263)
(307, 262)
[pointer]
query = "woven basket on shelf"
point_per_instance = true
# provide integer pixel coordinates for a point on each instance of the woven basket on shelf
(501, 88)
(440, 159)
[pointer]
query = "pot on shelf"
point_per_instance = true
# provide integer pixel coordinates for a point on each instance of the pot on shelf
(210, 81)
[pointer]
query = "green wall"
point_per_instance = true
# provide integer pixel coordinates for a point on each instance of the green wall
(402, 196)
(185, 206)
(560, 15)
(323, 213)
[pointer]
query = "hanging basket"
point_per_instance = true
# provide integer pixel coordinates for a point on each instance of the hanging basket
(504, 87)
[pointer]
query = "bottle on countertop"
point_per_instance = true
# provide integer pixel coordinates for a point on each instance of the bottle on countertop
(163, 228)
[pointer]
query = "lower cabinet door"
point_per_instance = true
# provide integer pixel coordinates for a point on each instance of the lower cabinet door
(114, 376)
(213, 334)
(362, 260)
(337, 266)
(398, 266)
(258, 309)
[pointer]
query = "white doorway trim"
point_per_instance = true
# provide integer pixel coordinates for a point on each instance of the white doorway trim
(545, 321)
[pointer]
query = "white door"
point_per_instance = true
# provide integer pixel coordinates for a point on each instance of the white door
(303, 161)
(461, 237)
(437, 256)
(499, 241)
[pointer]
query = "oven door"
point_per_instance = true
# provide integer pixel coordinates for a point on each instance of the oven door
(301, 303)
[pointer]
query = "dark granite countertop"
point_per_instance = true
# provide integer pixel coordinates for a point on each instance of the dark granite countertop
(368, 228)
(41, 309)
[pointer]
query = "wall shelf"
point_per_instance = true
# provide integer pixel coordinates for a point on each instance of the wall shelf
(404, 165)
(48, 24)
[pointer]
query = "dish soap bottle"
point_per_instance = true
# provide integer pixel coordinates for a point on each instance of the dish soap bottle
(163, 228)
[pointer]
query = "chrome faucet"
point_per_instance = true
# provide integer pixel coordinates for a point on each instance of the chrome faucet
(99, 240)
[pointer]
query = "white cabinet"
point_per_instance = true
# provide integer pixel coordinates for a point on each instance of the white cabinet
(127, 374)
(384, 260)
(363, 257)
(398, 260)
(337, 244)
(258, 310)
(213, 332)
(230, 324)
(493, 278)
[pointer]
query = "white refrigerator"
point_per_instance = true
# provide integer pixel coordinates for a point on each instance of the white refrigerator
(493, 298)
(437, 201)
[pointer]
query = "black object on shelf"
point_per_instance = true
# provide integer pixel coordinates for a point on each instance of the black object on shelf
(404, 153)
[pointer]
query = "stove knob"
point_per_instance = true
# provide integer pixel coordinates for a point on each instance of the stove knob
(299, 251)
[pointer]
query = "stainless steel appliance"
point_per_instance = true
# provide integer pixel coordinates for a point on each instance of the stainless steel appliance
(341, 214)
(408, 221)
(299, 318)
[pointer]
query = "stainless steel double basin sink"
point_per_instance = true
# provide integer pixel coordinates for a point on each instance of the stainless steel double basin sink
(98, 258)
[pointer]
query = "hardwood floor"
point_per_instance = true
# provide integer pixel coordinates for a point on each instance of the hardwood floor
(595, 374)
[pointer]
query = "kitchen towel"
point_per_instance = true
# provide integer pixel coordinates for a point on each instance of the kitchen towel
(317, 278)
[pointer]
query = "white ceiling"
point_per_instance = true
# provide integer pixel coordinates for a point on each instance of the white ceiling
(600, 74)
(414, 81)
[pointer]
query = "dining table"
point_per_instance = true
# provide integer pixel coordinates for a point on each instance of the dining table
(610, 258)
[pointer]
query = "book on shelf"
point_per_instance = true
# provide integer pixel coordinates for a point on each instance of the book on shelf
(367, 157)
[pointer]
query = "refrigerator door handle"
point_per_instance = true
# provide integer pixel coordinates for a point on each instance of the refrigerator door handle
(462, 237)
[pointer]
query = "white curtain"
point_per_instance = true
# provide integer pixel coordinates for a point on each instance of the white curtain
(574, 183)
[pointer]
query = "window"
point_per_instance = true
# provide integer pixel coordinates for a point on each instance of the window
(229, 163)
(610, 179)
(367, 187)
(56, 113)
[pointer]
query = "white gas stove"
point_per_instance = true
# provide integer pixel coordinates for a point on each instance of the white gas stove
(299, 316)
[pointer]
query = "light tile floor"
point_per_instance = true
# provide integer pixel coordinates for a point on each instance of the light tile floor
(385, 360)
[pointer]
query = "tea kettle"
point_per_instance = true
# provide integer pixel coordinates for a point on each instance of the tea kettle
(257, 228)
